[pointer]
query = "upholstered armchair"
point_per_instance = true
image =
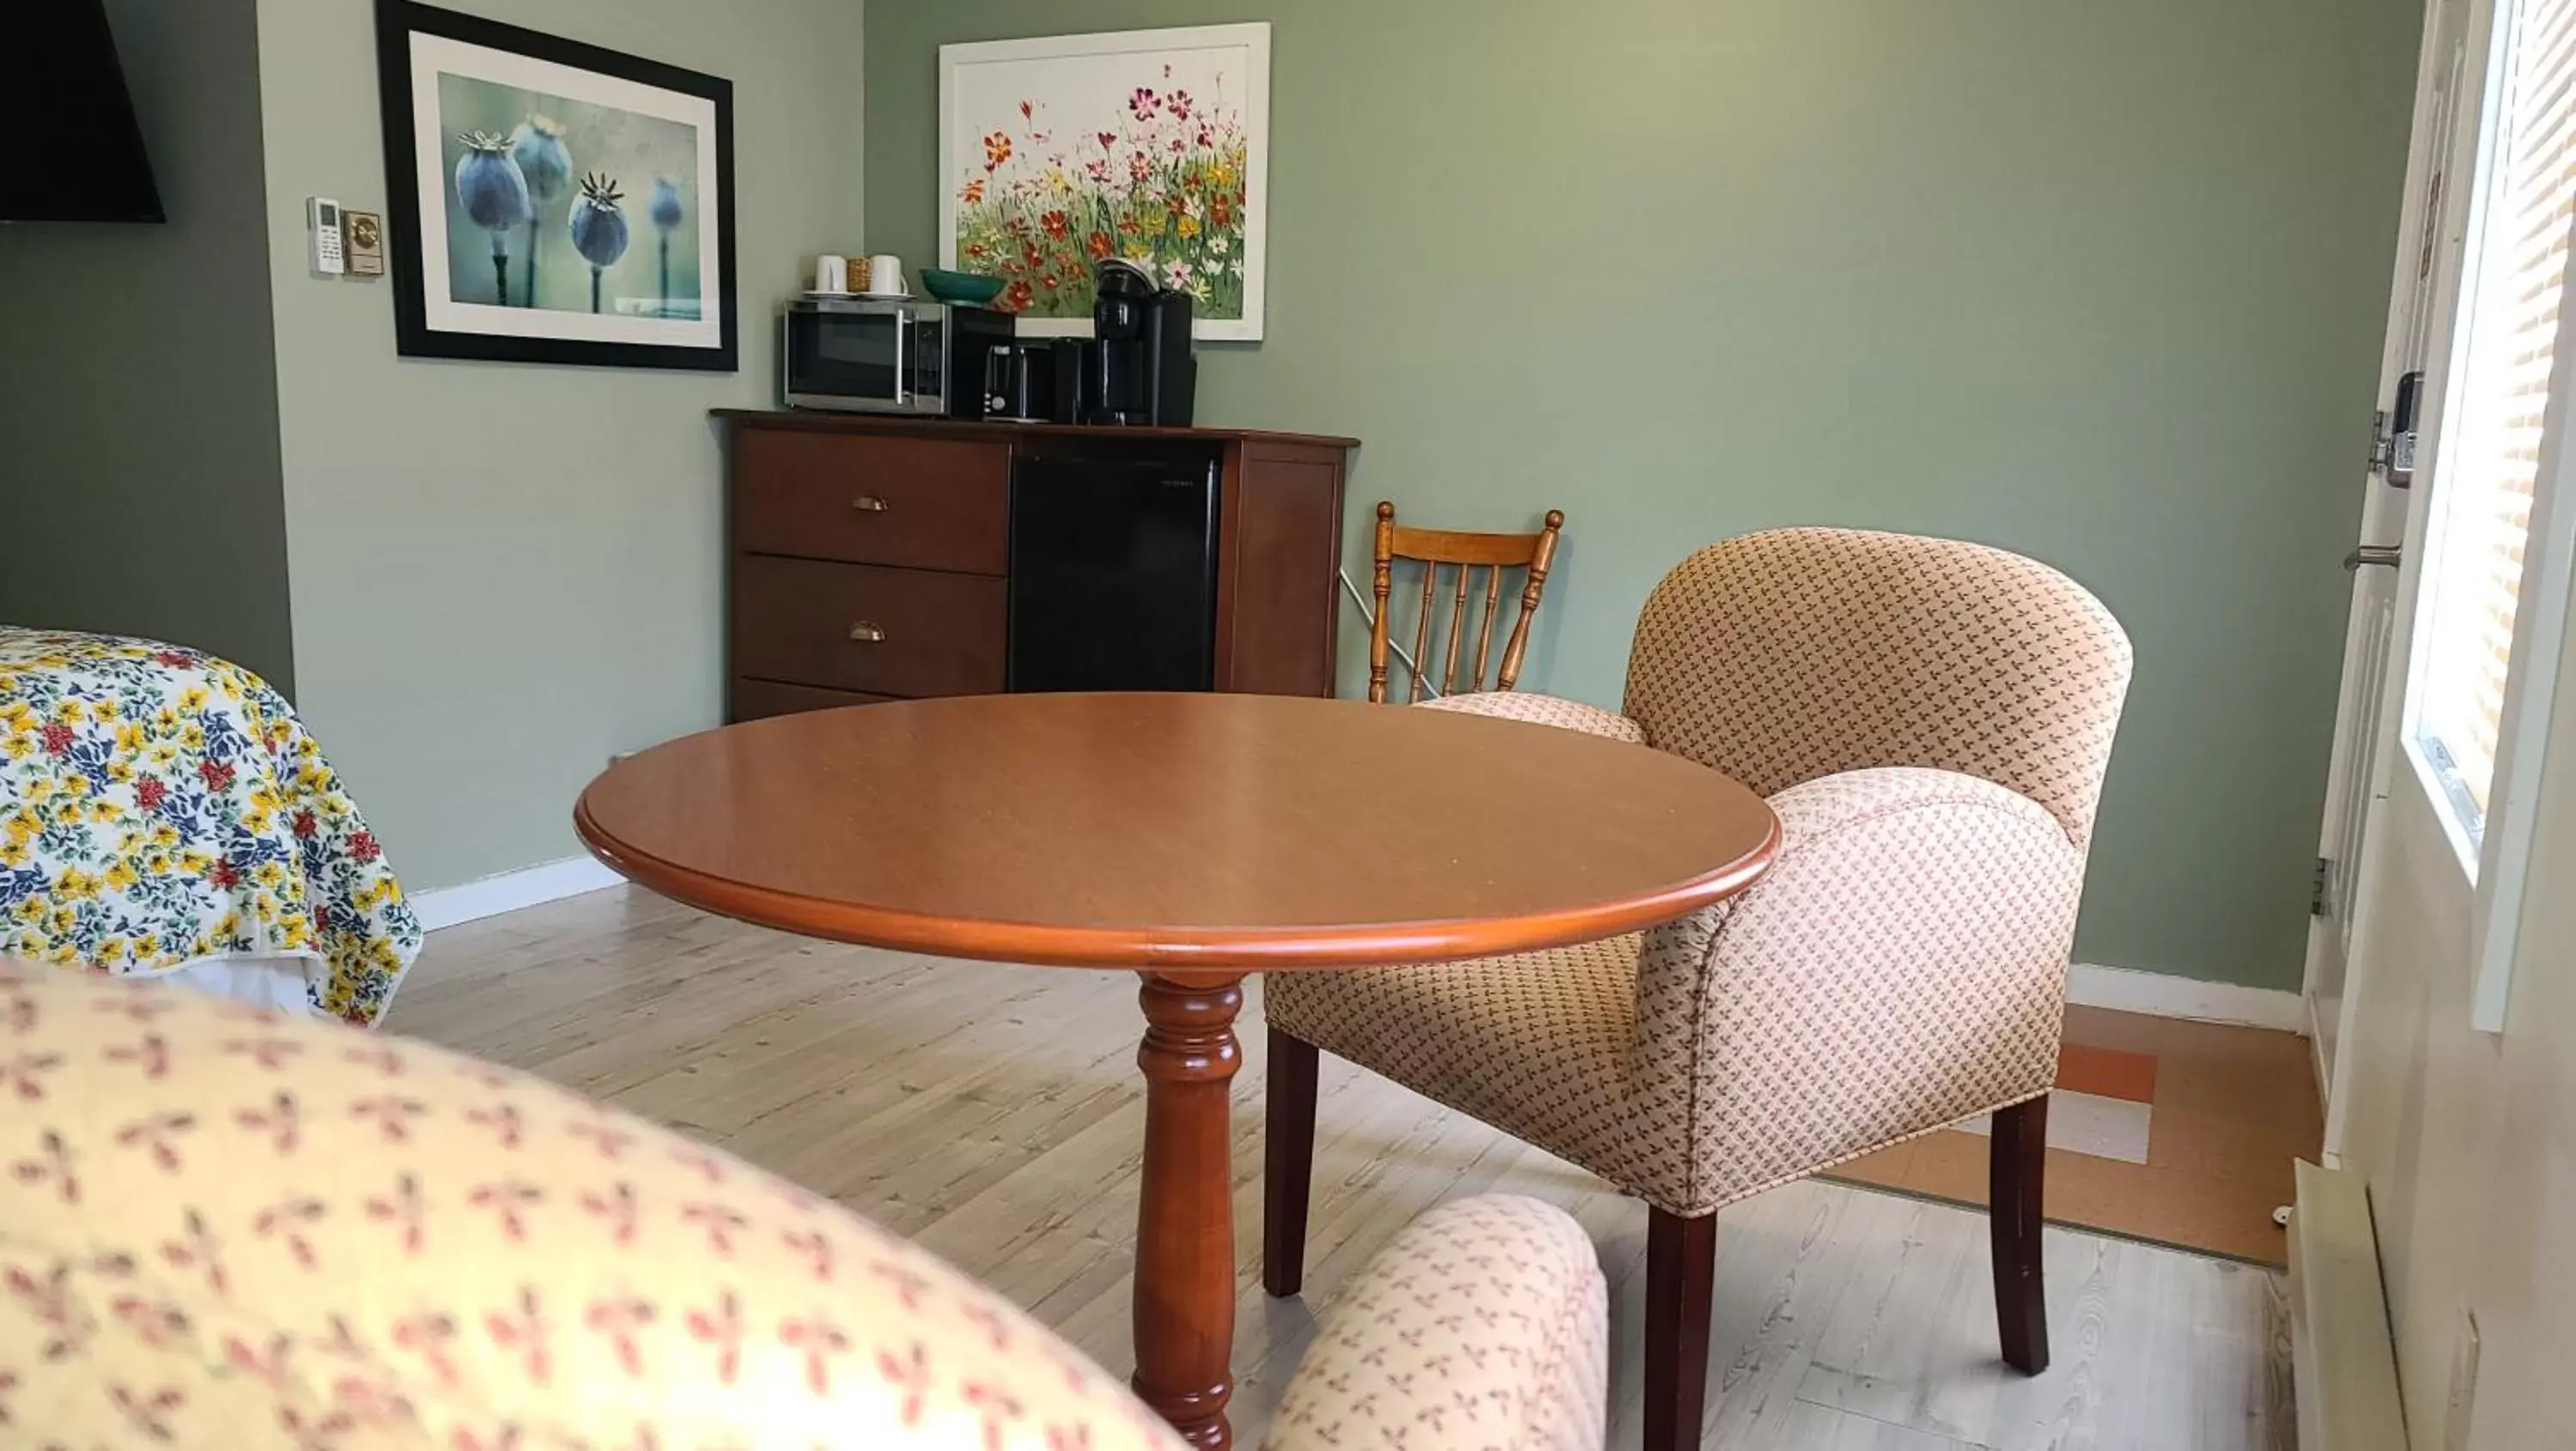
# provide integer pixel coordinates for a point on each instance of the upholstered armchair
(220, 1227)
(1931, 720)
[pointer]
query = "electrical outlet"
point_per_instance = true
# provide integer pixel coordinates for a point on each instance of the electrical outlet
(2464, 1384)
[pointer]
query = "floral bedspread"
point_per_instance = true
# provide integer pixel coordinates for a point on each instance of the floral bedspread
(160, 806)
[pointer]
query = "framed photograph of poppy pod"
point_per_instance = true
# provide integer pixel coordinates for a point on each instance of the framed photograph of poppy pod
(551, 201)
(1153, 145)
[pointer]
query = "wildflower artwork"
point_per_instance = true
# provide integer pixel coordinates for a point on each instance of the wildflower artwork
(554, 202)
(1152, 145)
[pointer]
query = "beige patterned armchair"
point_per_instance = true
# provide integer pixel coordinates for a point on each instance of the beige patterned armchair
(220, 1227)
(1931, 720)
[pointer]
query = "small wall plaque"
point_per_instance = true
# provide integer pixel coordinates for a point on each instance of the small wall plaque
(366, 236)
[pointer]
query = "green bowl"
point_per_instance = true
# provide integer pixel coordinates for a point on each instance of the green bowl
(960, 287)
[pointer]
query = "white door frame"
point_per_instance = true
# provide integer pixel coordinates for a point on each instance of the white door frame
(2424, 274)
(2498, 863)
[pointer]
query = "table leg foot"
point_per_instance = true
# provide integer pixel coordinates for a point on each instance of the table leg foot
(1185, 1209)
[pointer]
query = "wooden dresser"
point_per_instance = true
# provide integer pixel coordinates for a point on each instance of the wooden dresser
(870, 556)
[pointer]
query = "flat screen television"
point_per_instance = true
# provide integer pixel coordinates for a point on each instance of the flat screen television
(77, 154)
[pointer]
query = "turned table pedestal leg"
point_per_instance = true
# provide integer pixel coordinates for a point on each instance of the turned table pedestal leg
(1185, 1211)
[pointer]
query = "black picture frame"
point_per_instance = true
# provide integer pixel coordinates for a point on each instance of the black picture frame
(397, 21)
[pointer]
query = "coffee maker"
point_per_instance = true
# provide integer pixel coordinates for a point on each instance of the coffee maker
(1137, 367)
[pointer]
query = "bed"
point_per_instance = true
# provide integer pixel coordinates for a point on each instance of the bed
(164, 813)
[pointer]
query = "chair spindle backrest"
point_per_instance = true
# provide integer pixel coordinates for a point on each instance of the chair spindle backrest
(1463, 553)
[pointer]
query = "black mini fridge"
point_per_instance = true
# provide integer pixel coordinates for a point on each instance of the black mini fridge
(1113, 567)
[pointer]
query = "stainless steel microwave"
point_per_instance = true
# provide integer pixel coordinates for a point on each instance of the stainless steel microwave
(868, 356)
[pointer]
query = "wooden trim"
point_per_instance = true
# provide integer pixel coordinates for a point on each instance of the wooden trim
(819, 421)
(1279, 559)
(749, 697)
(1454, 546)
(1257, 949)
(1229, 564)
(1692, 836)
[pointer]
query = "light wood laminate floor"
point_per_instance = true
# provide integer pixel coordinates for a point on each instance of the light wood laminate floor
(994, 1114)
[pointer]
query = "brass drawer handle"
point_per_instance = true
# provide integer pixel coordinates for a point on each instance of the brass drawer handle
(867, 632)
(868, 504)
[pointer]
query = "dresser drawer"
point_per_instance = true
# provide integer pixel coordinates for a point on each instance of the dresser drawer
(859, 627)
(749, 699)
(922, 503)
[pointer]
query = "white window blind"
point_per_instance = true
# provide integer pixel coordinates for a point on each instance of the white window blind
(2483, 489)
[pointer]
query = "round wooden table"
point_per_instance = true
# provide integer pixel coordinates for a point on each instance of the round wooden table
(1195, 838)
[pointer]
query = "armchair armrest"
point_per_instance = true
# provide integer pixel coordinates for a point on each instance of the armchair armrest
(1901, 968)
(1483, 1323)
(1538, 709)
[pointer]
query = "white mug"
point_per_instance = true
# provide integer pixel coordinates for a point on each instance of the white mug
(831, 274)
(885, 273)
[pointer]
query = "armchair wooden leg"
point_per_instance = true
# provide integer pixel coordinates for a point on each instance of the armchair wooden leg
(1681, 1278)
(2017, 1161)
(1287, 1163)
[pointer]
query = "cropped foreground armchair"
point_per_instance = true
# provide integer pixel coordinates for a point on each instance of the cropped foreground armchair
(223, 1228)
(1930, 720)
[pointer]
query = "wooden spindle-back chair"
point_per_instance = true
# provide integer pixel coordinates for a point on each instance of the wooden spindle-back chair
(1433, 548)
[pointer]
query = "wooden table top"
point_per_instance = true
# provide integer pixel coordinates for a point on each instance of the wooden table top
(1221, 831)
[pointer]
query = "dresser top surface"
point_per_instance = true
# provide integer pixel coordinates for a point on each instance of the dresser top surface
(817, 421)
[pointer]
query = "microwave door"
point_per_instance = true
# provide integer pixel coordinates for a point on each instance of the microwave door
(851, 359)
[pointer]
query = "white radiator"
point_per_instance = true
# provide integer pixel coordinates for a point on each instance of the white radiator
(2345, 1365)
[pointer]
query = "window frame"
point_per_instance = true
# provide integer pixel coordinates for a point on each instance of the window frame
(2493, 848)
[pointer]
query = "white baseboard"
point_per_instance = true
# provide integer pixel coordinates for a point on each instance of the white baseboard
(2087, 984)
(2163, 996)
(2343, 1364)
(2317, 1051)
(508, 892)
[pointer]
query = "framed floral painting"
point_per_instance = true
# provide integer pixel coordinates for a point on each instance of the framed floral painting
(1148, 144)
(551, 201)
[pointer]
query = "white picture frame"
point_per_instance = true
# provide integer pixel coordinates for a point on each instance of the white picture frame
(1071, 137)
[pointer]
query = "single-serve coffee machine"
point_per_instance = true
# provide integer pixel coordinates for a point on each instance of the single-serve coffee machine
(1137, 367)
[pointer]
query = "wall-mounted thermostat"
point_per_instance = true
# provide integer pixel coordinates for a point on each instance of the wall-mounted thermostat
(364, 233)
(322, 225)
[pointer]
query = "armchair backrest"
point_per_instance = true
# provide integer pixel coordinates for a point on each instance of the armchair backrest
(1791, 654)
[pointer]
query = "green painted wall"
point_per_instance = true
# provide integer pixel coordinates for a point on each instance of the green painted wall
(139, 483)
(2100, 282)
(504, 572)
